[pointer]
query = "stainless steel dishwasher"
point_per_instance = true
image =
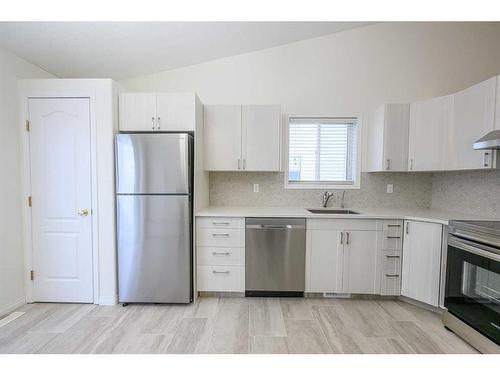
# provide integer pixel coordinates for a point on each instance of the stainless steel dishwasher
(275, 257)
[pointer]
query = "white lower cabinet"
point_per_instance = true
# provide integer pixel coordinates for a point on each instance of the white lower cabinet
(421, 261)
(220, 254)
(343, 256)
(361, 262)
(324, 261)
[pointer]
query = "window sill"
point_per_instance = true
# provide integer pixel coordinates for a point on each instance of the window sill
(306, 186)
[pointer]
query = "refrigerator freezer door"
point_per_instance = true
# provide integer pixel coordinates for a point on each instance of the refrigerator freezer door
(152, 163)
(154, 248)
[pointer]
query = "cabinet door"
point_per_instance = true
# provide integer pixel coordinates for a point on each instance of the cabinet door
(324, 271)
(474, 116)
(175, 112)
(361, 262)
(429, 140)
(137, 112)
(397, 117)
(261, 137)
(421, 261)
(222, 137)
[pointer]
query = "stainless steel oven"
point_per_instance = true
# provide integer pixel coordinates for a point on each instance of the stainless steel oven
(472, 289)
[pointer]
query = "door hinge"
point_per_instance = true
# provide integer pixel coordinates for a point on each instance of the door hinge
(27, 125)
(32, 275)
(29, 201)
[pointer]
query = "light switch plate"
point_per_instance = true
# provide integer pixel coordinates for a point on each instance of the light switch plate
(390, 188)
(255, 188)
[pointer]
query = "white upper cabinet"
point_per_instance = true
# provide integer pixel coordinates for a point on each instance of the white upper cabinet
(175, 112)
(242, 138)
(387, 138)
(222, 135)
(421, 261)
(137, 112)
(147, 112)
(429, 137)
(261, 133)
(474, 116)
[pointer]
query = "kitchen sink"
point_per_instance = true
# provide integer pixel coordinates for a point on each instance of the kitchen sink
(334, 211)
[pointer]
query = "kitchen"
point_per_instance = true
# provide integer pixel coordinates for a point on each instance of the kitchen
(276, 263)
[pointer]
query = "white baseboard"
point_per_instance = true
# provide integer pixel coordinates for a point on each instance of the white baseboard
(108, 300)
(4, 310)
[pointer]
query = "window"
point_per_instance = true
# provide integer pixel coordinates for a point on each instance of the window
(322, 153)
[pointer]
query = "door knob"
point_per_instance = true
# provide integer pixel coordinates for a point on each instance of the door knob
(83, 212)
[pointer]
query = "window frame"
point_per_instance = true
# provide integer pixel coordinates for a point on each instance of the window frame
(323, 185)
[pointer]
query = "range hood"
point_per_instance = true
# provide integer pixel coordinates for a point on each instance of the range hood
(490, 141)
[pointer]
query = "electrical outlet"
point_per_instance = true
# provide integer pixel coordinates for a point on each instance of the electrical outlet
(255, 188)
(390, 188)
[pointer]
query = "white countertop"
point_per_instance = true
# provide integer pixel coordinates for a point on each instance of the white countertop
(425, 214)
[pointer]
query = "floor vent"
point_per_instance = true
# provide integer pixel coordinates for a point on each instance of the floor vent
(9, 318)
(336, 295)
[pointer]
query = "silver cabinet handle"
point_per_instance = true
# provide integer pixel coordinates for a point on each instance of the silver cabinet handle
(152, 123)
(391, 275)
(392, 256)
(411, 164)
(347, 238)
(388, 164)
(244, 164)
(407, 228)
(225, 272)
(220, 223)
(219, 253)
(393, 237)
(158, 123)
(239, 164)
(220, 234)
(341, 238)
(394, 225)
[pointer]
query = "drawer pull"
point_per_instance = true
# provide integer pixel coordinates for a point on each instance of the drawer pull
(393, 237)
(220, 223)
(219, 253)
(391, 275)
(222, 272)
(220, 234)
(394, 225)
(392, 256)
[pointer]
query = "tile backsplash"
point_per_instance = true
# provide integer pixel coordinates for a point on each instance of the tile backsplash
(236, 189)
(476, 192)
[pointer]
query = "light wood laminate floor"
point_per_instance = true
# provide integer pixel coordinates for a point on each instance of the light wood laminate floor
(232, 325)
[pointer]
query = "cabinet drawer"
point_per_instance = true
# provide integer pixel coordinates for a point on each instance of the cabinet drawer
(221, 278)
(220, 256)
(391, 263)
(220, 222)
(392, 242)
(221, 237)
(393, 226)
(390, 285)
(343, 224)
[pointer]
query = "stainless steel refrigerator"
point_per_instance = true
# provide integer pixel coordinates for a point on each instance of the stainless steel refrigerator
(154, 216)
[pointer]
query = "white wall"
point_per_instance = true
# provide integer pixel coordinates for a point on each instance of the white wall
(347, 72)
(12, 68)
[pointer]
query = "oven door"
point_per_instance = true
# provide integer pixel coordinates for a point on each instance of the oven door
(473, 286)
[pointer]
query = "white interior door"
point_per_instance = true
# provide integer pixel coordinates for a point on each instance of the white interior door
(61, 191)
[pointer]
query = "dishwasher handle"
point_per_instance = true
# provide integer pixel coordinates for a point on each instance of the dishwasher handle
(270, 226)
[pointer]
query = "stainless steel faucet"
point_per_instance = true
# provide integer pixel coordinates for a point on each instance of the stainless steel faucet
(326, 196)
(342, 203)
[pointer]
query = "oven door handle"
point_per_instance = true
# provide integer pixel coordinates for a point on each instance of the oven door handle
(474, 248)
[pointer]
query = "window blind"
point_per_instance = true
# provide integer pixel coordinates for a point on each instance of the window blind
(322, 150)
